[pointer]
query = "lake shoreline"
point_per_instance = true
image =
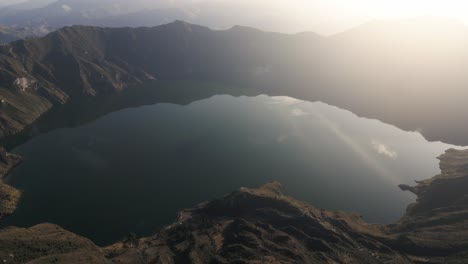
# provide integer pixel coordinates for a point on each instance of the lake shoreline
(248, 224)
(9, 196)
(235, 211)
(8, 163)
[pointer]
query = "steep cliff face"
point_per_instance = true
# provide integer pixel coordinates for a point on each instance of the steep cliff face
(437, 224)
(444, 191)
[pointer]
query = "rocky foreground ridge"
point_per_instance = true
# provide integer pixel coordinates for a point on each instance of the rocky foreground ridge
(265, 226)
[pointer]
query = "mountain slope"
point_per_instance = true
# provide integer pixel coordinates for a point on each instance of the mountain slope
(78, 61)
(376, 70)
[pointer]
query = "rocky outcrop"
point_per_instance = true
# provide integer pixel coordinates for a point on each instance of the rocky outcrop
(445, 191)
(436, 226)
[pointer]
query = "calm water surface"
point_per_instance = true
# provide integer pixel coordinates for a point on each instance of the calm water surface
(132, 170)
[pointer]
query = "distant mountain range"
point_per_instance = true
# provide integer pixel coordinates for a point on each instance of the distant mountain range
(36, 18)
(37, 15)
(63, 12)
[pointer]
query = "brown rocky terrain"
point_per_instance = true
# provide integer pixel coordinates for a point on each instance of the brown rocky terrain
(265, 226)
(47, 243)
(9, 196)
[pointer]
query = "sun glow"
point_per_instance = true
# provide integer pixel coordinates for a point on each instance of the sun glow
(393, 8)
(403, 8)
(345, 13)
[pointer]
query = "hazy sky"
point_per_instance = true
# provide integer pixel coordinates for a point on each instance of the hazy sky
(327, 16)
(323, 16)
(10, 2)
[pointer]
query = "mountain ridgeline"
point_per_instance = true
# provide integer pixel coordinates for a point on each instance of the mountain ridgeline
(406, 73)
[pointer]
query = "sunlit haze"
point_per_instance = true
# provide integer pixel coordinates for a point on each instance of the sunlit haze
(321, 16)
(330, 16)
